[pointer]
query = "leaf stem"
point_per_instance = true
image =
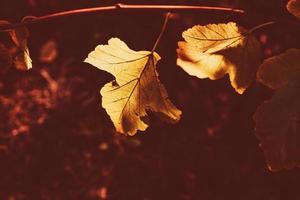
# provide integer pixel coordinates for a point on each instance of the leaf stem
(261, 26)
(161, 31)
(118, 7)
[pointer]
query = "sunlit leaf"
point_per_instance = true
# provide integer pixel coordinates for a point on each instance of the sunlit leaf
(215, 50)
(277, 71)
(293, 7)
(278, 127)
(136, 88)
(19, 36)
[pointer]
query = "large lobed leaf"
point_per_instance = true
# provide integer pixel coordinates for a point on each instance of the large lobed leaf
(277, 71)
(278, 120)
(215, 50)
(278, 127)
(136, 88)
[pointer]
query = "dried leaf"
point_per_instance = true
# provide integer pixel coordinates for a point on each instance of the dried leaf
(277, 71)
(19, 36)
(136, 88)
(215, 50)
(278, 127)
(293, 6)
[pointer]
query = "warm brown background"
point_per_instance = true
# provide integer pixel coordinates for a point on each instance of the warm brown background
(73, 153)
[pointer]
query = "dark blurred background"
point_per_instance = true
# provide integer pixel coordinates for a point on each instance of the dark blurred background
(58, 143)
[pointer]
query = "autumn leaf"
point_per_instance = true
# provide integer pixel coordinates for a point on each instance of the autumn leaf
(19, 36)
(278, 127)
(277, 71)
(136, 88)
(293, 6)
(214, 50)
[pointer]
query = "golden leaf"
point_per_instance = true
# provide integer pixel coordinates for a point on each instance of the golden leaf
(277, 71)
(19, 36)
(293, 6)
(136, 88)
(215, 50)
(278, 127)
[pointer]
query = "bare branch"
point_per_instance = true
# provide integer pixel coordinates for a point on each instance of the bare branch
(117, 7)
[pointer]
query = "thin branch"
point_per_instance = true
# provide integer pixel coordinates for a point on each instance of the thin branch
(117, 7)
(161, 31)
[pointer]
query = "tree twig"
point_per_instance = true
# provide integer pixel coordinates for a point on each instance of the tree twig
(163, 8)
(261, 26)
(161, 31)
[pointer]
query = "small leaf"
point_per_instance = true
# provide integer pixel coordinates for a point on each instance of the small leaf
(136, 88)
(19, 36)
(278, 127)
(277, 71)
(293, 6)
(214, 50)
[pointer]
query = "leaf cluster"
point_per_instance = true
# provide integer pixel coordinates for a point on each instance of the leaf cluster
(207, 51)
